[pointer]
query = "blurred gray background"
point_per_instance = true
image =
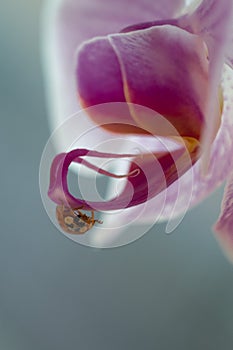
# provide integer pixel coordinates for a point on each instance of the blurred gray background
(161, 292)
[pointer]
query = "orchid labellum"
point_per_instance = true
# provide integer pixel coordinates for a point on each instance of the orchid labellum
(154, 72)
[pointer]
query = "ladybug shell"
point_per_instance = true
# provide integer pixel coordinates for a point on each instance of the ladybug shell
(70, 222)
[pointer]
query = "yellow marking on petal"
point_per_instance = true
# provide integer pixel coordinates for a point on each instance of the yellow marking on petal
(221, 99)
(187, 158)
(102, 121)
(191, 143)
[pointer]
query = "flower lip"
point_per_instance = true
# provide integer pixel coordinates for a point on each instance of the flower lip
(148, 176)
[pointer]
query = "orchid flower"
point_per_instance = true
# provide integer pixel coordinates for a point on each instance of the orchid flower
(145, 69)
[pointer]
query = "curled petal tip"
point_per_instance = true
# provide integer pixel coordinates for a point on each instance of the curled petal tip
(148, 175)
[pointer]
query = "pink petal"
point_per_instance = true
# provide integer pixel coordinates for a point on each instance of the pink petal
(224, 225)
(163, 68)
(166, 69)
(212, 21)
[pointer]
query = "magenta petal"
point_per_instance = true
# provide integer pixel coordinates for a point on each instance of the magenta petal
(224, 225)
(166, 69)
(163, 68)
(99, 81)
(148, 175)
(58, 188)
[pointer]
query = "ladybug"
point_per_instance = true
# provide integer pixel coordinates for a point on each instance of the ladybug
(74, 221)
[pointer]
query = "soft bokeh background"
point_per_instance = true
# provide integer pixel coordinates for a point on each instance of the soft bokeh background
(161, 292)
